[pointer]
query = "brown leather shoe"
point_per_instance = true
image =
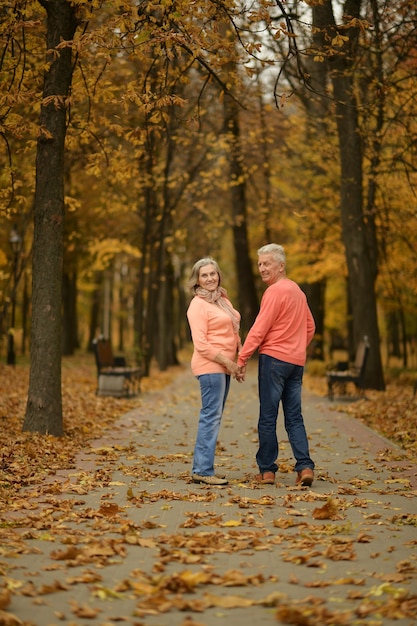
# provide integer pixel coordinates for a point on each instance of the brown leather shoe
(305, 477)
(266, 478)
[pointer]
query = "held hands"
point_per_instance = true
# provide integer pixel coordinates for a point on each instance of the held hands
(237, 372)
(240, 373)
(233, 368)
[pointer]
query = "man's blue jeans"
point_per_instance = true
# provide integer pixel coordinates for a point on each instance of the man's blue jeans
(214, 389)
(279, 381)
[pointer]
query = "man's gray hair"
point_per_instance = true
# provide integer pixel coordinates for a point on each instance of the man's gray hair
(195, 272)
(275, 249)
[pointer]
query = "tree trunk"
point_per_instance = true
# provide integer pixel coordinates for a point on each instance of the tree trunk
(164, 338)
(166, 352)
(247, 299)
(25, 312)
(317, 109)
(69, 313)
(315, 296)
(357, 239)
(44, 403)
(361, 269)
(94, 324)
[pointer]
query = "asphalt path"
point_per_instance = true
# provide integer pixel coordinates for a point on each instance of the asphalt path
(126, 537)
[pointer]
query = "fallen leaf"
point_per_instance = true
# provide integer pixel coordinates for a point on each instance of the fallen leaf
(227, 602)
(5, 598)
(84, 611)
(330, 510)
(8, 619)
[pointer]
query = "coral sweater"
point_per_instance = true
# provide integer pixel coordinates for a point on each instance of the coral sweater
(283, 327)
(212, 332)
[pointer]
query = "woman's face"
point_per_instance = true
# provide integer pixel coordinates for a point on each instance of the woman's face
(208, 277)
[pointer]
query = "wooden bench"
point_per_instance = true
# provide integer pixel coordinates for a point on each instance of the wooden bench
(349, 374)
(114, 376)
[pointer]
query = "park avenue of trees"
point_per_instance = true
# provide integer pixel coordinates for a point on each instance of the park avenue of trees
(137, 137)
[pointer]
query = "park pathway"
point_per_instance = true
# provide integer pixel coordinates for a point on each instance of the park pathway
(126, 538)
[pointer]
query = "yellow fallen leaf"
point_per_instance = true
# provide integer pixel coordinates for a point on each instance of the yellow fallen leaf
(142, 588)
(104, 593)
(232, 522)
(228, 602)
(4, 599)
(146, 543)
(402, 481)
(386, 588)
(8, 619)
(192, 579)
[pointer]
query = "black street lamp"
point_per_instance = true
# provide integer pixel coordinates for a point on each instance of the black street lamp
(15, 242)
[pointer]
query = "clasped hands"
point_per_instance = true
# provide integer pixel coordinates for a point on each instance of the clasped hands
(239, 372)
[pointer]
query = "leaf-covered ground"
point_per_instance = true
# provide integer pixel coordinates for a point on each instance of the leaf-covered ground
(26, 458)
(111, 530)
(392, 413)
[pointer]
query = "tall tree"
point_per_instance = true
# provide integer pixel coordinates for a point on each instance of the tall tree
(44, 403)
(317, 109)
(247, 296)
(339, 45)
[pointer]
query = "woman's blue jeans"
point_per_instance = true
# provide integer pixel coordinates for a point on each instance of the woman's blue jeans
(279, 381)
(214, 389)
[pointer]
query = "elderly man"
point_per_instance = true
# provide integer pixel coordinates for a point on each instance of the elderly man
(282, 331)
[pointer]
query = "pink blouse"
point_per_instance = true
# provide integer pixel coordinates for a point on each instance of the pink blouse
(212, 332)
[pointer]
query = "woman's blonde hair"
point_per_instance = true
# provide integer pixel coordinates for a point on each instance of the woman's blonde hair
(195, 272)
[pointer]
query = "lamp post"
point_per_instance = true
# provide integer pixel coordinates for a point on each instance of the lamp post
(15, 242)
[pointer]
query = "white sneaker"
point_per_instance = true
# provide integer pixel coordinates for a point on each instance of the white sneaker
(209, 480)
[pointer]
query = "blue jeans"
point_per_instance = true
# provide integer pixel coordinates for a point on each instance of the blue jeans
(279, 381)
(214, 389)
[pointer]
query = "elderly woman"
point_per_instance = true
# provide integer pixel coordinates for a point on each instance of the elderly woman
(214, 325)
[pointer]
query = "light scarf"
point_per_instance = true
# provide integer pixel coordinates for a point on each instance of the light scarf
(219, 297)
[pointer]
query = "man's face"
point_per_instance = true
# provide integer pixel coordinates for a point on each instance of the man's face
(208, 277)
(269, 269)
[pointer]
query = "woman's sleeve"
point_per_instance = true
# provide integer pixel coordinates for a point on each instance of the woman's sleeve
(197, 318)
